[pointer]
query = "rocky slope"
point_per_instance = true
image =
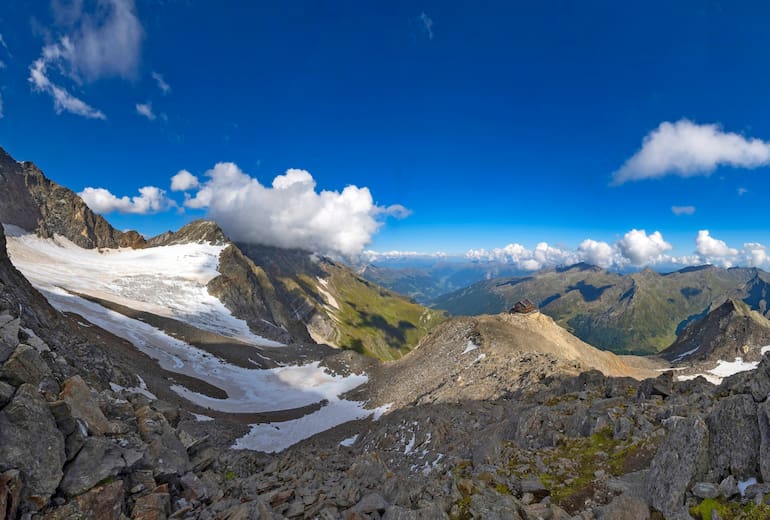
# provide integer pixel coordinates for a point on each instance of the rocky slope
(636, 313)
(35, 203)
(536, 443)
(488, 357)
(340, 308)
(729, 331)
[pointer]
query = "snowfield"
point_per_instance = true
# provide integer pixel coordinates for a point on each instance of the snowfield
(169, 281)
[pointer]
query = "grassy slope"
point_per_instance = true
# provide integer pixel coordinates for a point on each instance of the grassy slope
(639, 313)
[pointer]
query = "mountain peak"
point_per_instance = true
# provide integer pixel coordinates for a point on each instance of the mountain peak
(36, 203)
(730, 330)
(197, 231)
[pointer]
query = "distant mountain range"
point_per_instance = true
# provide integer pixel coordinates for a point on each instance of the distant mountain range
(627, 313)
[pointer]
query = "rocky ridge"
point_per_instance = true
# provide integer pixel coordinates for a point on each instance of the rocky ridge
(729, 331)
(36, 203)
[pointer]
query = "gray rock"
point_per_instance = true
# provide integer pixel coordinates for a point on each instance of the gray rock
(167, 455)
(625, 507)
(24, 423)
(763, 421)
(25, 366)
(400, 513)
(6, 393)
(759, 384)
(9, 335)
(83, 405)
(728, 488)
(97, 460)
(734, 438)
(373, 502)
(756, 490)
(705, 490)
(683, 455)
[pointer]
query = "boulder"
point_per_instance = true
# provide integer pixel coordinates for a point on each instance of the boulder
(25, 366)
(76, 393)
(100, 503)
(625, 507)
(6, 393)
(99, 459)
(9, 335)
(683, 456)
(734, 438)
(763, 420)
(705, 490)
(167, 455)
(24, 423)
(154, 506)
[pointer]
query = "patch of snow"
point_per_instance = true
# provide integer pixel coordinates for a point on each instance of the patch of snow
(743, 484)
(680, 357)
(728, 368)
(326, 294)
(470, 347)
(722, 370)
(350, 441)
(202, 418)
(410, 445)
(169, 281)
(380, 411)
(275, 437)
(141, 389)
(764, 350)
(714, 380)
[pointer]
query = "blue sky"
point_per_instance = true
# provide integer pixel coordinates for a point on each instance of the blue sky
(493, 123)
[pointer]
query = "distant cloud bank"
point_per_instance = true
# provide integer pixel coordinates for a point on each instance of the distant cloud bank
(687, 149)
(637, 248)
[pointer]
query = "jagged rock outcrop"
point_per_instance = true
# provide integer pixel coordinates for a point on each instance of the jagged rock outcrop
(729, 331)
(196, 232)
(35, 203)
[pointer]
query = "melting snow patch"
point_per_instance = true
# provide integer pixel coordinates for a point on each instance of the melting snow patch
(728, 368)
(680, 357)
(202, 418)
(141, 389)
(275, 437)
(764, 350)
(410, 446)
(350, 441)
(470, 347)
(722, 370)
(743, 484)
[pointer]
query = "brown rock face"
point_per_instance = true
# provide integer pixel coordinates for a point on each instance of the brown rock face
(35, 203)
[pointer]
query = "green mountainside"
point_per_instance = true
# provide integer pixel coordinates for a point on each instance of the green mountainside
(634, 313)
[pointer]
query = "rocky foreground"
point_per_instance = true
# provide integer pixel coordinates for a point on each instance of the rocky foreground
(554, 446)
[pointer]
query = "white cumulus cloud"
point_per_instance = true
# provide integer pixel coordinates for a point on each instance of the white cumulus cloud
(543, 255)
(184, 181)
(688, 149)
(290, 212)
(642, 249)
(145, 109)
(709, 247)
(597, 253)
(150, 200)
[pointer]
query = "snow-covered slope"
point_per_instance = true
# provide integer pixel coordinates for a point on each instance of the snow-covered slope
(169, 281)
